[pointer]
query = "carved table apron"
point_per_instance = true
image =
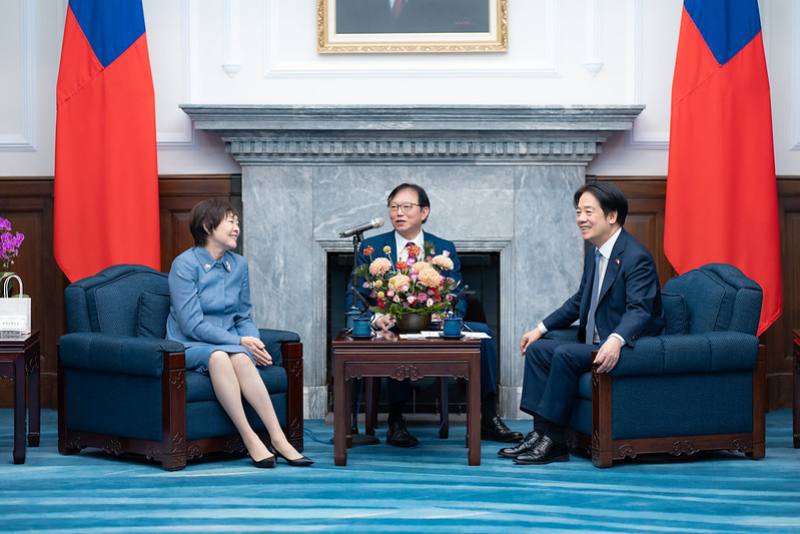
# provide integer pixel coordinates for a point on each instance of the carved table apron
(402, 359)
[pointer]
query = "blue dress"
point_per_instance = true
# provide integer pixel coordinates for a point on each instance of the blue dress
(209, 305)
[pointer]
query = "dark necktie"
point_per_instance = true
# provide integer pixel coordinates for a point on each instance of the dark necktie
(590, 324)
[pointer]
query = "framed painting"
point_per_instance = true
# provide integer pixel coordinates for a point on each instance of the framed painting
(411, 26)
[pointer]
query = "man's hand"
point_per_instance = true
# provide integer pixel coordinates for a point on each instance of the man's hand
(608, 355)
(528, 338)
(385, 322)
(257, 347)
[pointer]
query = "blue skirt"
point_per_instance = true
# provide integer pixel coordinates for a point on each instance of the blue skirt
(197, 354)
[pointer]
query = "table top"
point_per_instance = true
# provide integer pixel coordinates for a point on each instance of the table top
(18, 344)
(386, 339)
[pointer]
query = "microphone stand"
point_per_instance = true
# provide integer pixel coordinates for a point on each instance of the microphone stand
(352, 313)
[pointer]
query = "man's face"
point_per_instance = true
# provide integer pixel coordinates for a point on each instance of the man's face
(406, 214)
(595, 226)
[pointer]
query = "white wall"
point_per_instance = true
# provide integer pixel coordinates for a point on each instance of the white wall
(263, 52)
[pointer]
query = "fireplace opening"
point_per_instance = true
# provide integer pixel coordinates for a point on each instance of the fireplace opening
(480, 271)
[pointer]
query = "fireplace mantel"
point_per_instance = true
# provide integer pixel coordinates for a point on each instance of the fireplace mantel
(274, 135)
(500, 178)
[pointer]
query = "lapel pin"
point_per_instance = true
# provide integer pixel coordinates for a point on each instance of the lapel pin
(617, 261)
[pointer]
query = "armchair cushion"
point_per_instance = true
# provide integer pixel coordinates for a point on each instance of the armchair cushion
(676, 315)
(115, 354)
(273, 339)
(152, 317)
(698, 353)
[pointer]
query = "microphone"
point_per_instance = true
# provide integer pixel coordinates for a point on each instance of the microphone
(374, 223)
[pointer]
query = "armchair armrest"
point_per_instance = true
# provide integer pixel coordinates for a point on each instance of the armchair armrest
(91, 351)
(697, 353)
(274, 339)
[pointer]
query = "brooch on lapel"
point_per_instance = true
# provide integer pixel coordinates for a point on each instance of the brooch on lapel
(617, 260)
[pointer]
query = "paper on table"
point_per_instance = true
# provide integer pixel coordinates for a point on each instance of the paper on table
(412, 336)
(436, 333)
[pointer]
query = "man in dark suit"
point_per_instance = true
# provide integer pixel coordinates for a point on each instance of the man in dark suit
(618, 301)
(409, 208)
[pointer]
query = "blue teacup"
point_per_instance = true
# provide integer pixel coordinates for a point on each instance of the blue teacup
(361, 327)
(451, 327)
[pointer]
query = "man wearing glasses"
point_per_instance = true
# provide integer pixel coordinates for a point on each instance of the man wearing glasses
(409, 208)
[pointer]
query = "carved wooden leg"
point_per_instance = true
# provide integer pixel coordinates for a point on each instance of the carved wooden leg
(796, 400)
(340, 413)
(474, 412)
(444, 408)
(20, 410)
(34, 408)
(370, 404)
(173, 462)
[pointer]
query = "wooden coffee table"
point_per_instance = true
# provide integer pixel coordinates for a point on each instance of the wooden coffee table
(796, 402)
(19, 361)
(402, 359)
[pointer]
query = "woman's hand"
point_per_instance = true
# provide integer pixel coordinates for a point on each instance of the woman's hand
(257, 347)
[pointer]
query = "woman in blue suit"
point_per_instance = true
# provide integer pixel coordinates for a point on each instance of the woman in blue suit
(210, 315)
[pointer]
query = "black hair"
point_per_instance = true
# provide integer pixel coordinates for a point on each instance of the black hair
(206, 216)
(608, 195)
(422, 196)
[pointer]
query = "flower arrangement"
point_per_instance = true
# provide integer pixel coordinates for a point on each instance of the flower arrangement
(418, 285)
(9, 244)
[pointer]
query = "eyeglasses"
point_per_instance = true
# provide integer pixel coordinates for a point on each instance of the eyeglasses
(405, 207)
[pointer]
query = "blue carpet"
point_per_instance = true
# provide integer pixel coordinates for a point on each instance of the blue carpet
(384, 489)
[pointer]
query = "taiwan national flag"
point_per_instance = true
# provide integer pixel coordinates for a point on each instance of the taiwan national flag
(106, 173)
(722, 203)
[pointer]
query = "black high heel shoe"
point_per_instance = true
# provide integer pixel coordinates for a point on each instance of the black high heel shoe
(266, 463)
(300, 462)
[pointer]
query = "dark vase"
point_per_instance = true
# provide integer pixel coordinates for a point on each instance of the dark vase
(414, 322)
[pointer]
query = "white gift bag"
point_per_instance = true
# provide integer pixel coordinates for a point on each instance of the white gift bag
(15, 312)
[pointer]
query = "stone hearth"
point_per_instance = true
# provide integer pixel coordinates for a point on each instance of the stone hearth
(500, 179)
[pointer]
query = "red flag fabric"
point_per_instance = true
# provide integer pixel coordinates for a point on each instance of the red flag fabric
(722, 204)
(106, 171)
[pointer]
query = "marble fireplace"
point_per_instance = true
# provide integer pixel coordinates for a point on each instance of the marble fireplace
(500, 179)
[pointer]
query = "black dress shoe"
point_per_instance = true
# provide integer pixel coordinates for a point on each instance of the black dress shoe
(398, 434)
(496, 430)
(303, 461)
(522, 447)
(545, 451)
(266, 463)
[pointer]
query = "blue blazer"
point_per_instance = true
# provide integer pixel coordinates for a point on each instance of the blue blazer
(630, 299)
(377, 242)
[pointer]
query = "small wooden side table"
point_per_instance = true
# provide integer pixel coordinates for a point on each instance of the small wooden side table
(19, 361)
(796, 402)
(402, 359)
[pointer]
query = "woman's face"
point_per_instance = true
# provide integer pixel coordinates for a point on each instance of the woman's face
(226, 234)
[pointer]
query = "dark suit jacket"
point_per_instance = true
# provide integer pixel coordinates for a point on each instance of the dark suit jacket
(630, 299)
(379, 241)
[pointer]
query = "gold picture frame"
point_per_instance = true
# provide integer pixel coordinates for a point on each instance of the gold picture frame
(381, 27)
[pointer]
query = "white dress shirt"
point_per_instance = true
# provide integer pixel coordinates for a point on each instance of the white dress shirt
(401, 242)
